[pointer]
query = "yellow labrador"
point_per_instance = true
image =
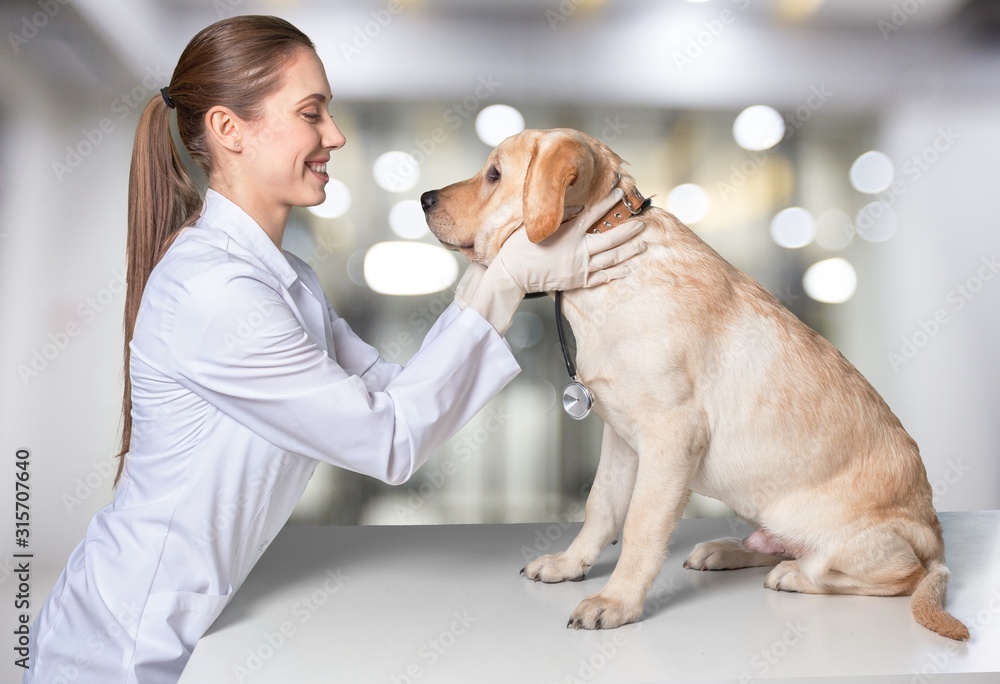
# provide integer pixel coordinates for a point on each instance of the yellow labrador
(707, 383)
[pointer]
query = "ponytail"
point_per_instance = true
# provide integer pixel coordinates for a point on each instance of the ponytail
(237, 62)
(162, 199)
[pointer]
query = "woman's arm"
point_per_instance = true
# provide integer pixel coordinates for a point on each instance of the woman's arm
(277, 382)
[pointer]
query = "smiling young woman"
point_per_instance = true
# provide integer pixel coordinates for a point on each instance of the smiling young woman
(239, 375)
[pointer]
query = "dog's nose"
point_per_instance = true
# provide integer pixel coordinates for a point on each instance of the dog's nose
(428, 200)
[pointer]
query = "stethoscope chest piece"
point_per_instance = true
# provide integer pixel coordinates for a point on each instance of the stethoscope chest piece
(577, 400)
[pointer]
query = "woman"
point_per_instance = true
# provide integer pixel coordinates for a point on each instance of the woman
(240, 377)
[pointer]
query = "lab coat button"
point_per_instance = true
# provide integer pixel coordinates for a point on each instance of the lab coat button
(263, 546)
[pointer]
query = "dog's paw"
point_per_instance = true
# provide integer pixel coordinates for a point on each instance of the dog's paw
(786, 576)
(601, 612)
(721, 554)
(556, 567)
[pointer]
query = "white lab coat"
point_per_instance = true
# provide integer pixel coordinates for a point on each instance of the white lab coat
(243, 378)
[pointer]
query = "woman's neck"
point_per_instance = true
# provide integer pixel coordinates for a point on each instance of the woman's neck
(271, 218)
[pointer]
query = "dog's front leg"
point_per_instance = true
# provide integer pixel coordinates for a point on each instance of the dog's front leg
(607, 505)
(669, 454)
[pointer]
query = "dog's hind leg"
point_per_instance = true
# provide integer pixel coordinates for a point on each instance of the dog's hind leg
(878, 562)
(669, 453)
(607, 505)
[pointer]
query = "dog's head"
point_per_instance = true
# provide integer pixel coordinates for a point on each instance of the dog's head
(536, 179)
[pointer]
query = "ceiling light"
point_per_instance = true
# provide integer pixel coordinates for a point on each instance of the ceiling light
(496, 123)
(396, 171)
(758, 128)
(832, 281)
(409, 268)
(338, 201)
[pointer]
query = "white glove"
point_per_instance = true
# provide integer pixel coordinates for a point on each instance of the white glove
(469, 282)
(569, 259)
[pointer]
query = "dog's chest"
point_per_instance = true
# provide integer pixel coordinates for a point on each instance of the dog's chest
(625, 353)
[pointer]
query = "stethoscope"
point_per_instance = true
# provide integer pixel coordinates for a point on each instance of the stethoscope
(577, 399)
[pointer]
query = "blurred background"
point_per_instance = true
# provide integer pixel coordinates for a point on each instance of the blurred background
(842, 152)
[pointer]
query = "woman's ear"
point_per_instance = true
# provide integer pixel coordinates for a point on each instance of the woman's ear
(224, 127)
(556, 164)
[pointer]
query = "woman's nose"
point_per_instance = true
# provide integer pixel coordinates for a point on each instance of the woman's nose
(332, 137)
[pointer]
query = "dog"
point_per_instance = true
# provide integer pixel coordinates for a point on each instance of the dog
(706, 383)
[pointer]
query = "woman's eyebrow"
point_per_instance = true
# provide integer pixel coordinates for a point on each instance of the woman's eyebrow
(315, 96)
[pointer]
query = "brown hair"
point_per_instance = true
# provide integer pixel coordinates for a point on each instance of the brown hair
(237, 63)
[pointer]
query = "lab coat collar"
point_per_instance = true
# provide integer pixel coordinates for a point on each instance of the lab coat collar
(225, 215)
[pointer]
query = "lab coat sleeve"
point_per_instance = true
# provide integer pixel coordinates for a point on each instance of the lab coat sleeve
(276, 381)
(357, 357)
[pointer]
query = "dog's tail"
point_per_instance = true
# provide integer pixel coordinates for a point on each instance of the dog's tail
(927, 604)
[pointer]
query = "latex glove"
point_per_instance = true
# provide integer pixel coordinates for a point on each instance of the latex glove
(469, 283)
(569, 259)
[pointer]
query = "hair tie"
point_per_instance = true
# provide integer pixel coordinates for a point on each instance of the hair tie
(166, 98)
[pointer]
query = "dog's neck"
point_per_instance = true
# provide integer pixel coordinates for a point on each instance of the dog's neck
(630, 206)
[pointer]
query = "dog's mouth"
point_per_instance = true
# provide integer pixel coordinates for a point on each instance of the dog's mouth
(468, 250)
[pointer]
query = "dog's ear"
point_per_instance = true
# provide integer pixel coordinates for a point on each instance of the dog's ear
(556, 164)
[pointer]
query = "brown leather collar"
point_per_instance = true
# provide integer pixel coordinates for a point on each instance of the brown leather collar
(630, 206)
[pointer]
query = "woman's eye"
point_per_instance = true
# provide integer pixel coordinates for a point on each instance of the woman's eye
(310, 116)
(493, 175)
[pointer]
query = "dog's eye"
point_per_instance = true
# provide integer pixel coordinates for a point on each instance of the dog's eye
(493, 175)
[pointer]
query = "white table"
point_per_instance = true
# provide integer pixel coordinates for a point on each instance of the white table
(407, 605)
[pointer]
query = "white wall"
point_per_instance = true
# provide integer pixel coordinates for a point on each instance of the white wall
(945, 375)
(60, 267)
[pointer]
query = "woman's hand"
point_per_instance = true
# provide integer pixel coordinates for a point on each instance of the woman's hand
(569, 259)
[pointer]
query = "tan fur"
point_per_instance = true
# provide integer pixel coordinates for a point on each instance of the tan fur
(707, 383)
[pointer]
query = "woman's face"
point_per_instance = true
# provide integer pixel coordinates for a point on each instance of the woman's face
(284, 153)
